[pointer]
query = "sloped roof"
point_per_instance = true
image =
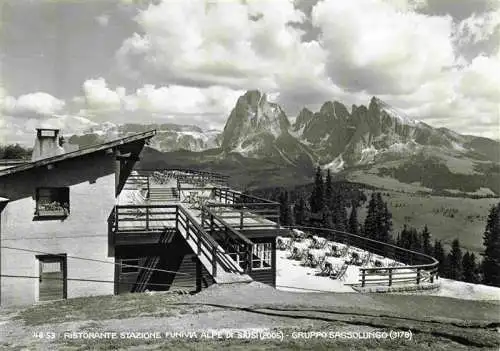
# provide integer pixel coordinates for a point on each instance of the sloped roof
(78, 153)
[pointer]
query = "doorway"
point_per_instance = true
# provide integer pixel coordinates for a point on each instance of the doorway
(52, 278)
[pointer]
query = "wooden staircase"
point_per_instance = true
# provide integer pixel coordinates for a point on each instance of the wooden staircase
(163, 194)
(146, 273)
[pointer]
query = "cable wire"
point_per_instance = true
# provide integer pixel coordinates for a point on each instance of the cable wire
(89, 280)
(94, 260)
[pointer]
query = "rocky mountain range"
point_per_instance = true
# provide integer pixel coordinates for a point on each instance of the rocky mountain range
(376, 139)
(170, 137)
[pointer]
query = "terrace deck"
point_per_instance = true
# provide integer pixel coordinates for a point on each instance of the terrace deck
(248, 222)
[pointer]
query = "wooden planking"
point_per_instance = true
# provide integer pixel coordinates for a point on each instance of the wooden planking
(177, 257)
(266, 276)
(51, 286)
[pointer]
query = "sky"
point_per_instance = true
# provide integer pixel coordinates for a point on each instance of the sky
(73, 64)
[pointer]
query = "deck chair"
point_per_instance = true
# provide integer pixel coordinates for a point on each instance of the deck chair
(325, 268)
(340, 272)
(296, 254)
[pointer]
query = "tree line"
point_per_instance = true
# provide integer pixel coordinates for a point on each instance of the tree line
(326, 205)
(14, 151)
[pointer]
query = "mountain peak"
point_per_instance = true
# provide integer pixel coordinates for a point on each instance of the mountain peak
(327, 108)
(375, 104)
(253, 97)
(253, 117)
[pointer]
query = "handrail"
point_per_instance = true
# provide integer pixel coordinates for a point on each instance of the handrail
(212, 247)
(233, 231)
(387, 250)
(249, 206)
(234, 242)
(196, 225)
(219, 193)
(179, 216)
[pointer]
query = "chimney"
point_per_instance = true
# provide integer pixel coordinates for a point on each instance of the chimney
(47, 144)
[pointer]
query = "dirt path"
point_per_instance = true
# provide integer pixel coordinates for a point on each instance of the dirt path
(434, 322)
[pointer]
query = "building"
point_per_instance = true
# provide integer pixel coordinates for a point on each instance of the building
(184, 229)
(82, 223)
(54, 212)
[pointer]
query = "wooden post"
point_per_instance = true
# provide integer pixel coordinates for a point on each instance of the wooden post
(418, 275)
(202, 216)
(249, 258)
(363, 272)
(390, 276)
(188, 227)
(147, 218)
(211, 225)
(177, 217)
(147, 195)
(199, 244)
(241, 219)
(116, 217)
(214, 261)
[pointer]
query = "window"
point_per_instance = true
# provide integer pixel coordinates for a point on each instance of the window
(127, 263)
(52, 202)
(261, 256)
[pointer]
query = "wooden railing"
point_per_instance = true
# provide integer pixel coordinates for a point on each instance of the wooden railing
(206, 245)
(230, 204)
(144, 218)
(233, 242)
(191, 176)
(138, 182)
(415, 266)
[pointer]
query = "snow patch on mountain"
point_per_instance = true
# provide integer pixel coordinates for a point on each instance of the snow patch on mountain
(368, 155)
(336, 165)
(458, 147)
(396, 114)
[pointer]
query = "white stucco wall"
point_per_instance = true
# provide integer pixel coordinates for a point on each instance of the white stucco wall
(84, 233)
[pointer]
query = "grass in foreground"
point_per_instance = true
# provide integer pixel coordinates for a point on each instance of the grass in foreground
(101, 307)
(418, 342)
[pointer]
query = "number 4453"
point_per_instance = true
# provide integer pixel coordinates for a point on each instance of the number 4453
(44, 335)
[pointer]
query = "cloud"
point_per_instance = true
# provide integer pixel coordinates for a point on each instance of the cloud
(478, 27)
(98, 96)
(481, 79)
(240, 45)
(33, 104)
(465, 99)
(459, 9)
(103, 20)
(375, 47)
(186, 104)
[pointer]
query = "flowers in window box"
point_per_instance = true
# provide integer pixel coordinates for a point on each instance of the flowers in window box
(53, 208)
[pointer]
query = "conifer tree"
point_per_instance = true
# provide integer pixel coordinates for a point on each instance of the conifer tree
(469, 268)
(439, 255)
(328, 190)
(285, 213)
(338, 211)
(299, 211)
(455, 261)
(415, 243)
(491, 240)
(404, 240)
(386, 225)
(426, 241)
(353, 226)
(370, 227)
(317, 196)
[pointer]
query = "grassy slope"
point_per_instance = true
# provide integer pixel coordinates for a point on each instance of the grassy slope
(447, 217)
(436, 323)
